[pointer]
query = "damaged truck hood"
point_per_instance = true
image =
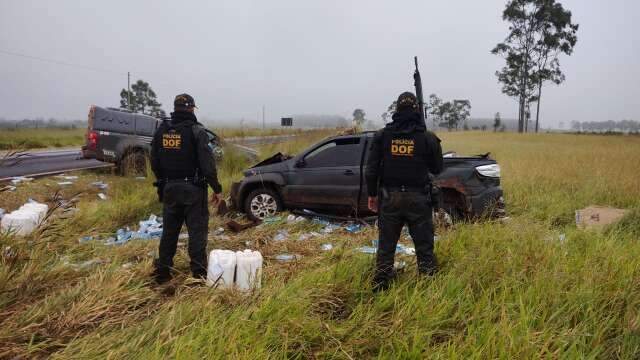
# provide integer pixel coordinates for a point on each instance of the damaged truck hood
(276, 162)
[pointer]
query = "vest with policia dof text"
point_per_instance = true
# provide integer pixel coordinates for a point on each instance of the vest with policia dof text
(404, 159)
(177, 150)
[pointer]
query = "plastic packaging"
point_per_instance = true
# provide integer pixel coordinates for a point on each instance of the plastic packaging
(248, 270)
(38, 208)
(23, 222)
(221, 269)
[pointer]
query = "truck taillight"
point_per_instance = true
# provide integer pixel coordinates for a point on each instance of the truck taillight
(93, 140)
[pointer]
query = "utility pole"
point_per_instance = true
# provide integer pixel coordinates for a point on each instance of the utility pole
(129, 89)
(263, 124)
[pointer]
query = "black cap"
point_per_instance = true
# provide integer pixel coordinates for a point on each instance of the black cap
(407, 100)
(184, 101)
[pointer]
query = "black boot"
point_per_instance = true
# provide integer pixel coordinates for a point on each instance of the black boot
(161, 274)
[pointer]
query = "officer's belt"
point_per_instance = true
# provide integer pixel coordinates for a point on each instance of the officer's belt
(183, 180)
(405, 189)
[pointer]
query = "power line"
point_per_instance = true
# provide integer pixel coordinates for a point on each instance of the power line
(58, 62)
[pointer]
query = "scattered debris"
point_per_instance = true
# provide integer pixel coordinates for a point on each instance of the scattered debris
(183, 236)
(291, 219)
(562, 237)
(18, 179)
(149, 229)
(596, 217)
(102, 196)
(282, 235)
(272, 220)
(367, 249)
(353, 228)
(326, 247)
(219, 231)
(8, 188)
(128, 265)
(399, 265)
(287, 257)
(65, 183)
(100, 185)
(68, 178)
(85, 239)
(141, 178)
(237, 227)
(307, 236)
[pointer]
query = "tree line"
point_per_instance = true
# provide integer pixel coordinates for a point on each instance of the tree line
(626, 126)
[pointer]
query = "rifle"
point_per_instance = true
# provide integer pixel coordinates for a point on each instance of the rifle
(417, 82)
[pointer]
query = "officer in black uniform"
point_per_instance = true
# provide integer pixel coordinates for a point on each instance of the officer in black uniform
(183, 164)
(402, 156)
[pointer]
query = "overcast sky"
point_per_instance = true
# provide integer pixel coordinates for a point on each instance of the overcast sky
(301, 57)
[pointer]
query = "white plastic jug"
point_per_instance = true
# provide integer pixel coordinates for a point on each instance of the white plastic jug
(23, 222)
(40, 209)
(222, 268)
(248, 270)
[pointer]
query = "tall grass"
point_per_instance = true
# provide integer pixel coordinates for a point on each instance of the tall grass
(505, 289)
(40, 138)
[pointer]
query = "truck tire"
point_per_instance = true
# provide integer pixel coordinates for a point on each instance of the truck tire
(133, 164)
(262, 203)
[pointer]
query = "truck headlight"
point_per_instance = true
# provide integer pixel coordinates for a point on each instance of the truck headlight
(492, 170)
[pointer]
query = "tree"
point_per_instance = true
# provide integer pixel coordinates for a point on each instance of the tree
(433, 107)
(559, 37)
(358, 117)
(448, 114)
(143, 99)
(496, 122)
(538, 31)
(390, 111)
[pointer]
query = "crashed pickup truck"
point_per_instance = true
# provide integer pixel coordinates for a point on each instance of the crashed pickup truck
(124, 138)
(328, 177)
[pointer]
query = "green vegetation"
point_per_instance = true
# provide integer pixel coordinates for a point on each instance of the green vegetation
(507, 289)
(24, 139)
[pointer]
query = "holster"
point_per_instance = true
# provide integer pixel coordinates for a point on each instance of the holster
(159, 184)
(434, 196)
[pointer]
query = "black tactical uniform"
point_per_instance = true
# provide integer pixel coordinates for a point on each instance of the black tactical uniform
(183, 164)
(402, 156)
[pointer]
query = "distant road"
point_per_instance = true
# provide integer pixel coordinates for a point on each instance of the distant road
(49, 162)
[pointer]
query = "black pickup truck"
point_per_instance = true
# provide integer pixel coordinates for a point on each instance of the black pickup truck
(124, 138)
(329, 177)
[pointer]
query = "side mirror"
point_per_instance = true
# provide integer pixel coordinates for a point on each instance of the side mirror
(301, 163)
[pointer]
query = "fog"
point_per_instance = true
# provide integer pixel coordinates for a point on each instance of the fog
(300, 57)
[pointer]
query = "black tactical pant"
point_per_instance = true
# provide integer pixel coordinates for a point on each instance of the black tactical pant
(184, 203)
(396, 210)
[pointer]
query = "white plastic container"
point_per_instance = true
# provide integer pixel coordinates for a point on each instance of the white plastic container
(248, 270)
(23, 222)
(40, 209)
(221, 269)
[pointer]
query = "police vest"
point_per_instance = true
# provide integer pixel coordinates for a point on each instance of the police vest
(177, 150)
(404, 160)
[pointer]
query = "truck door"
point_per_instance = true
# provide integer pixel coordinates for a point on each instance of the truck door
(328, 176)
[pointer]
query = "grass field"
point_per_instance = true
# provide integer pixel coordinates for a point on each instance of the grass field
(26, 139)
(508, 290)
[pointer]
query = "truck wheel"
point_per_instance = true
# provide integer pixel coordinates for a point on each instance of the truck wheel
(262, 203)
(134, 164)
